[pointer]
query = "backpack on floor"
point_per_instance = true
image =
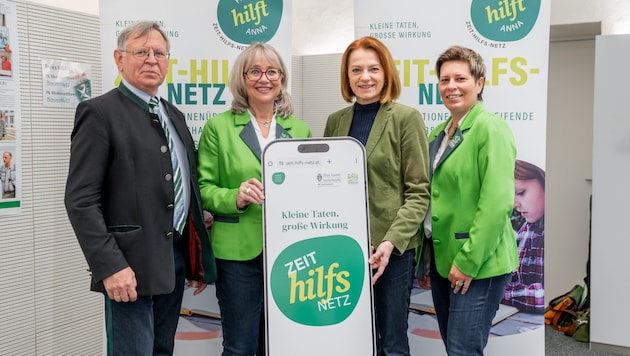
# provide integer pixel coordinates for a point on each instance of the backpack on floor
(562, 311)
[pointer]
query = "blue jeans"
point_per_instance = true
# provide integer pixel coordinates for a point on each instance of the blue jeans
(391, 305)
(465, 320)
(148, 325)
(241, 301)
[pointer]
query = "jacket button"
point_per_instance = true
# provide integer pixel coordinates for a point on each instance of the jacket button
(164, 149)
(436, 193)
(435, 218)
(168, 177)
(169, 235)
(170, 206)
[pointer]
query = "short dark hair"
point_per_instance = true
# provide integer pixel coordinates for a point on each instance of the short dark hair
(463, 54)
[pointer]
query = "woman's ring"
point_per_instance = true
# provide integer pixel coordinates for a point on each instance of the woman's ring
(248, 190)
(459, 283)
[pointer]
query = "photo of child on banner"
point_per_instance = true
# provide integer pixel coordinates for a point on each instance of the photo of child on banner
(526, 289)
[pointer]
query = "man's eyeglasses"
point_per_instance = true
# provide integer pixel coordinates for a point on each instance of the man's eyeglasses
(144, 54)
(255, 74)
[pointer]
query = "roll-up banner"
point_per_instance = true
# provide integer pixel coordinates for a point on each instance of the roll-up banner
(513, 38)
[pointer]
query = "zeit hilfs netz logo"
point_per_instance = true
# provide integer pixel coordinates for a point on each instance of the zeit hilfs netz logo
(504, 20)
(246, 21)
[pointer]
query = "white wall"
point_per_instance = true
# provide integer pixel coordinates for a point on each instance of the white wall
(611, 173)
(327, 26)
(568, 164)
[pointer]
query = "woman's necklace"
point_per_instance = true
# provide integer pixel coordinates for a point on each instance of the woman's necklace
(265, 124)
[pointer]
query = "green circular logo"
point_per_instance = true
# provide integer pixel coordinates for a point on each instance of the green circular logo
(249, 20)
(318, 281)
(504, 20)
(278, 178)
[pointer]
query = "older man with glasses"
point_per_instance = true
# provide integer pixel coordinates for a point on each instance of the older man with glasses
(133, 200)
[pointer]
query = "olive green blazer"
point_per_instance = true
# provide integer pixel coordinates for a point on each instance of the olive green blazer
(398, 172)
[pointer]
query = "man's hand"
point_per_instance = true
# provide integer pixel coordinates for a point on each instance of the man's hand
(196, 284)
(121, 286)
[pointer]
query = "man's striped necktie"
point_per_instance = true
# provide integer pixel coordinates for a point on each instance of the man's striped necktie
(180, 211)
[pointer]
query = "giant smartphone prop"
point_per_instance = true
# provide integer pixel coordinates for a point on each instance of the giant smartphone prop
(318, 290)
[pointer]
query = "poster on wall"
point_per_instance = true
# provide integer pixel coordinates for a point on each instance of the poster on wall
(10, 117)
(65, 84)
(205, 38)
(512, 37)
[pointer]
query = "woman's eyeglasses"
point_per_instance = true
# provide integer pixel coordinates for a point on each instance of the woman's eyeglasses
(255, 74)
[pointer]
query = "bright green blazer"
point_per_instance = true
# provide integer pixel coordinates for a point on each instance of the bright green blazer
(397, 154)
(472, 195)
(229, 154)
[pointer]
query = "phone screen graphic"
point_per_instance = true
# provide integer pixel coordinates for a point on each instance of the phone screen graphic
(316, 231)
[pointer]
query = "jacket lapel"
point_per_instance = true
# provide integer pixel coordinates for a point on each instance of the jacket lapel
(458, 137)
(281, 132)
(248, 135)
(128, 93)
(344, 123)
(382, 118)
(434, 146)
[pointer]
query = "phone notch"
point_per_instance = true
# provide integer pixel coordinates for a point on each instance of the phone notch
(313, 147)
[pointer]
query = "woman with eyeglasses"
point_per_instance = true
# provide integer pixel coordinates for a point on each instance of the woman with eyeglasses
(229, 167)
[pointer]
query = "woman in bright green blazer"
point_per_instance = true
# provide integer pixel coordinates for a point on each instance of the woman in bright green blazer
(230, 184)
(472, 194)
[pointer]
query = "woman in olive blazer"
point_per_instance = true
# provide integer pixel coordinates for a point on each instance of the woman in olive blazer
(397, 179)
(229, 177)
(396, 148)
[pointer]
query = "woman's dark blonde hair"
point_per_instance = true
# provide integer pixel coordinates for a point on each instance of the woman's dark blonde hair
(463, 54)
(244, 61)
(391, 89)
